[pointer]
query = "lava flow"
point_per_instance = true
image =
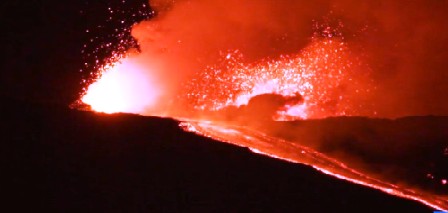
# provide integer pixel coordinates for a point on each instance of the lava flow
(261, 143)
(318, 73)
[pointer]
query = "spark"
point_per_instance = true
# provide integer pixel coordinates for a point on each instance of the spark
(320, 73)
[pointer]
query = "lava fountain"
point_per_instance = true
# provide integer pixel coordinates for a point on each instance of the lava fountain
(325, 73)
(122, 86)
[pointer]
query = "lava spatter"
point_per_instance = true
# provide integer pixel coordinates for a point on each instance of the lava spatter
(322, 73)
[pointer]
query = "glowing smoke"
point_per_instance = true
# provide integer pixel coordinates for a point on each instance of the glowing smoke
(404, 45)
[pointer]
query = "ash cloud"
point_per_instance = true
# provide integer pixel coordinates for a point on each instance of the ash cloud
(404, 43)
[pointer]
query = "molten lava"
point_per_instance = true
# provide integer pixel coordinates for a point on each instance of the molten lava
(325, 73)
(123, 86)
(276, 147)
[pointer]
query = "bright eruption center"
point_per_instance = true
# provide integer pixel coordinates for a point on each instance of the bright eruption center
(123, 86)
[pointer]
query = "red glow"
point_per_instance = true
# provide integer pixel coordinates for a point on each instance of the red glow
(332, 78)
(325, 73)
(261, 143)
(123, 86)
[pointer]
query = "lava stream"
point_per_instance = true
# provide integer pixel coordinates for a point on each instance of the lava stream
(260, 143)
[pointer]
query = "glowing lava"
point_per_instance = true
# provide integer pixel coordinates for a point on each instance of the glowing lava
(123, 86)
(325, 73)
(261, 143)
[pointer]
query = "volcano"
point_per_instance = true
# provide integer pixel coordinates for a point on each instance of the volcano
(223, 71)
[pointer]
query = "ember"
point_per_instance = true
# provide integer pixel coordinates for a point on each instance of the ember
(322, 73)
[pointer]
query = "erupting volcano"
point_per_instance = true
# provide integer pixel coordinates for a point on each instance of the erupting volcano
(264, 65)
(330, 78)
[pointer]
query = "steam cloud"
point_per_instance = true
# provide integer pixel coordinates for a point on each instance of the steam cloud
(406, 43)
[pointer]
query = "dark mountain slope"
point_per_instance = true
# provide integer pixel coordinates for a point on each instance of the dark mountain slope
(56, 159)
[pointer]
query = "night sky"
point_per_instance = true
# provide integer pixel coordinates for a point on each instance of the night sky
(43, 45)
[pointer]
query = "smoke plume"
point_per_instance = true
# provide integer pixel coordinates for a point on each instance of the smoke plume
(404, 44)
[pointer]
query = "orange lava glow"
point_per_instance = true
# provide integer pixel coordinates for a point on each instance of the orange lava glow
(123, 86)
(325, 73)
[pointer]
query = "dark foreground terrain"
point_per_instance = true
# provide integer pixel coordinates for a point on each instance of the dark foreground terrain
(57, 159)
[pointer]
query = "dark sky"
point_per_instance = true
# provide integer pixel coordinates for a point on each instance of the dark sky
(43, 40)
